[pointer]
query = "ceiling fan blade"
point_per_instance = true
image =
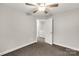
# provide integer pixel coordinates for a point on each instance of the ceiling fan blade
(30, 4)
(45, 12)
(35, 11)
(53, 5)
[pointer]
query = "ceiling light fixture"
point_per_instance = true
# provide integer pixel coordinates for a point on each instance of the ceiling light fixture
(41, 7)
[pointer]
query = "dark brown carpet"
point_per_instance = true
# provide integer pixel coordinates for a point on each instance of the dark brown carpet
(40, 49)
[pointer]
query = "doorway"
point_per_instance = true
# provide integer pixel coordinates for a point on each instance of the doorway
(45, 30)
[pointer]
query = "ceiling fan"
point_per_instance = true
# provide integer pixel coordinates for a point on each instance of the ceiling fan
(42, 7)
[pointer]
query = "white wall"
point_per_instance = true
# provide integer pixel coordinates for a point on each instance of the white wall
(66, 29)
(16, 29)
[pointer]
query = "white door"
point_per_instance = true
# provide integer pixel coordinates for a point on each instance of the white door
(48, 31)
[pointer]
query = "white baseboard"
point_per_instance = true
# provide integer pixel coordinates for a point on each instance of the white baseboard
(13, 49)
(67, 46)
(48, 42)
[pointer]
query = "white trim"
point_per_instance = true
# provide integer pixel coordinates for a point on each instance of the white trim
(48, 42)
(13, 49)
(67, 46)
